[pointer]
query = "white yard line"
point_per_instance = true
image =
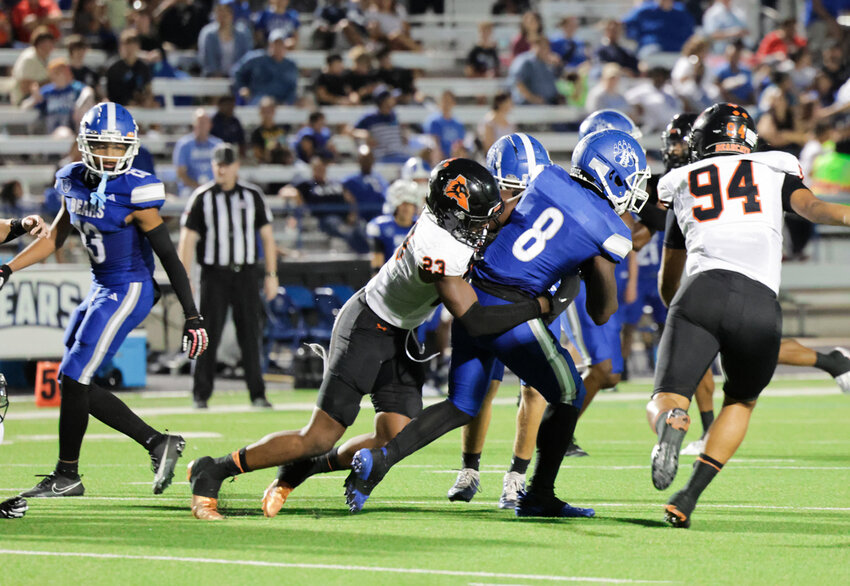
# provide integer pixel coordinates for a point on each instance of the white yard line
(334, 567)
(51, 437)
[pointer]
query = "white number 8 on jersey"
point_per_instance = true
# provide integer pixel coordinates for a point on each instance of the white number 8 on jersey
(544, 228)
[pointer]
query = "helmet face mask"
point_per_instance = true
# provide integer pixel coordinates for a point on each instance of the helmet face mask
(464, 199)
(722, 129)
(106, 125)
(515, 159)
(615, 164)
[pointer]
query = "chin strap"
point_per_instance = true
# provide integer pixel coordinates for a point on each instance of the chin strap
(98, 198)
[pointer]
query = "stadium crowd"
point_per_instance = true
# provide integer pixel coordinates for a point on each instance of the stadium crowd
(661, 57)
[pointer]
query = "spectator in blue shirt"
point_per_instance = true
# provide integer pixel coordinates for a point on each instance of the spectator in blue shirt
(63, 101)
(659, 26)
(267, 73)
(532, 75)
(223, 42)
(571, 51)
(381, 130)
(278, 16)
(314, 139)
(367, 187)
(446, 130)
(611, 51)
(734, 80)
(193, 154)
(226, 126)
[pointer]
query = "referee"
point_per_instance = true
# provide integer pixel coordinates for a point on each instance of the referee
(220, 223)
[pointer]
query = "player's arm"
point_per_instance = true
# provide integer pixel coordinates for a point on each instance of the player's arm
(11, 229)
(41, 248)
(150, 223)
(460, 299)
(673, 259)
(641, 235)
(798, 197)
(601, 285)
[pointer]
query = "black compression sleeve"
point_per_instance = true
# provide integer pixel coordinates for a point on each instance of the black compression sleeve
(164, 249)
(16, 229)
(673, 237)
(652, 217)
(791, 184)
(496, 319)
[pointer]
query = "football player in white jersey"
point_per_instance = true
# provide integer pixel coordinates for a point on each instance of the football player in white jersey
(371, 350)
(724, 228)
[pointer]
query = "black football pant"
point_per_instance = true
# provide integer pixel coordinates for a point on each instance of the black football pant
(238, 289)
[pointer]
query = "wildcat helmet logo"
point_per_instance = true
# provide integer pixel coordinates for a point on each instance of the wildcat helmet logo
(456, 189)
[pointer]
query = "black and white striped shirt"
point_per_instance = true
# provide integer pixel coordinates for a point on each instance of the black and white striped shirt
(228, 222)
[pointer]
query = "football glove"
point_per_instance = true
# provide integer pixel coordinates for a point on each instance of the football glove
(5, 273)
(195, 339)
(13, 508)
(565, 294)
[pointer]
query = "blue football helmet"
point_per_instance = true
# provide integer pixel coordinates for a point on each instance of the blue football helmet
(614, 163)
(602, 119)
(515, 159)
(108, 123)
(415, 169)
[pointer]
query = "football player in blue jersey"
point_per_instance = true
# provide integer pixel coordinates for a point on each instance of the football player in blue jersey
(387, 232)
(564, 224)
(115, 208)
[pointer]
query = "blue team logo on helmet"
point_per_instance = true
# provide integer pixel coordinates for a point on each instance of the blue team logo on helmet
(604, 119)
(515, 159)
(615, 164)
(415, 168)
(104, 125)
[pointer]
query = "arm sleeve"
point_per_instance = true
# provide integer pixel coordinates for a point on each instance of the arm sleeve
(791, 184)
(673, 237)
(496, 319)
(652, 217)
(164, 249)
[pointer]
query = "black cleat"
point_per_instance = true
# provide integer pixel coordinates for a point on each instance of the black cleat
(574, 450)
(56, 484)
(13, 508)
(679, 508)
(164, 459)
(665, 454)
(529, 504)
(368, 468)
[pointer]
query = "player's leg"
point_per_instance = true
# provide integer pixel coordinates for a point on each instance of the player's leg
(704, 396)
(749, 340)
(528, 416)
(532, 352)
(687, 348)
(357, 350)
(215, 298)
(836, 363)
(245, 302)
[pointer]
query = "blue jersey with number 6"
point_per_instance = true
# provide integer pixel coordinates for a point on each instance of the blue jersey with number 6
(118, 250)
(558, 225)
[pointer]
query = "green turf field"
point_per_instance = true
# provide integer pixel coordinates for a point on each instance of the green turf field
(778, 513)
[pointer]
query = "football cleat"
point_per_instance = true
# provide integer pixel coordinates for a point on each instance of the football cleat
(513, 483)
(164, 459)
(665, 454)
(466, 486)
(694, 448)
(274, 497)
(678, 510)
(56, 484)
(368, 468)
(843, 379)
(530, 505)
(574, 450)
(205, 486)
(13, 508)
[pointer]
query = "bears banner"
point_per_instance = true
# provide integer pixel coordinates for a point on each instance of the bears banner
(36, 306)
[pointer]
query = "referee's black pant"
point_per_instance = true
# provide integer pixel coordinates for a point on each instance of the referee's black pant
(239, 289)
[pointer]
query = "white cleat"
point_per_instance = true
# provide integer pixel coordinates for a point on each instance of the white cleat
(843, 379)
(694, 448)
(513, 483)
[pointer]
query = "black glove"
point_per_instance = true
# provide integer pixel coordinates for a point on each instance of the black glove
(5, 273)
(13, 508)
(195, 337)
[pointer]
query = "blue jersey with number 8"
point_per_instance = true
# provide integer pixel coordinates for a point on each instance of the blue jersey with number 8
(558, 225)
(118, 251)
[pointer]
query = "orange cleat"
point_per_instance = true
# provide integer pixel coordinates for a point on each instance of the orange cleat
(205, 508)
(274, 497)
